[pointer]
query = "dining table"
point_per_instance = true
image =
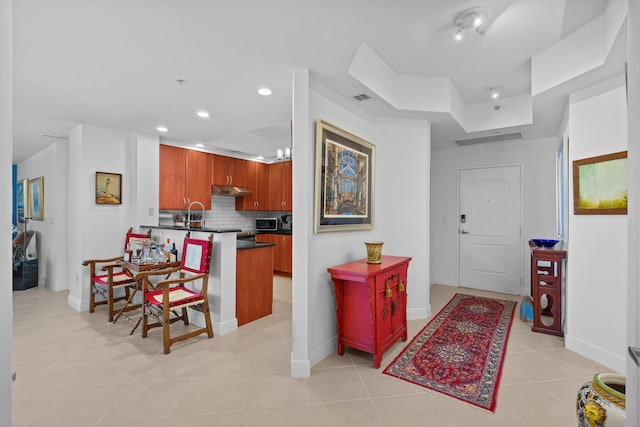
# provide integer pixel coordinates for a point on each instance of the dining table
(137, 269)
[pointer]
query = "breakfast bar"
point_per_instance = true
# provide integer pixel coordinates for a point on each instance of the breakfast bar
(222, 276)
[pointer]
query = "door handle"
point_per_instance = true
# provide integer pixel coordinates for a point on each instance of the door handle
(464, 232)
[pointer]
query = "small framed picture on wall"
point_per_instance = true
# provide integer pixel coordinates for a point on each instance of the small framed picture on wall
(108, 188)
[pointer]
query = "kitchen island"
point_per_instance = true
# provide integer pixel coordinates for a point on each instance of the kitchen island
(223, 272)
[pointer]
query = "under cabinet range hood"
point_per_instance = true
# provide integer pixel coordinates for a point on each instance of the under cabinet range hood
(229, 190)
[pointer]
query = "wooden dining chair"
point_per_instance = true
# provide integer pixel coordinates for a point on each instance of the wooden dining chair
(105, 277)
(168, 300)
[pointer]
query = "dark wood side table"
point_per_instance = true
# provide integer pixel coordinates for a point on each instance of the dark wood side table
(546, 289)
(371, 304)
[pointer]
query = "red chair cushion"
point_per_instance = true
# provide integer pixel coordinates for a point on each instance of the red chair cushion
(196, 255)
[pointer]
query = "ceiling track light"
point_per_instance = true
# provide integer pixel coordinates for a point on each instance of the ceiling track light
(474, 18)
(493, 90)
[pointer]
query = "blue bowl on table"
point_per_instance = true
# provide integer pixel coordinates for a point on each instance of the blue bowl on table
(545, 243)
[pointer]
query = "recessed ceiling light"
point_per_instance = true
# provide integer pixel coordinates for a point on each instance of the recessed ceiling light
(203, 114)
(264, 91)
(199, 145)
(162, 129)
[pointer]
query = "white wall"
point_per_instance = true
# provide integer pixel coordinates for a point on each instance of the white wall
(6, 193)
(633, 296)
(97, 231)
(538, 160)
(401, 219)
(143, 183)
(51, 233)
(597, 258)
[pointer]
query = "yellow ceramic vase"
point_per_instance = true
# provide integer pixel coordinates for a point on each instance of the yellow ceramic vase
(374, 252)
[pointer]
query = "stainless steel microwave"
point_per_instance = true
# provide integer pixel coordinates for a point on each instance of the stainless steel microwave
(266, 224)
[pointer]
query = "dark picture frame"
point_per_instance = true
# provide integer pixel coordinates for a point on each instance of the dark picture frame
(36, 198)
(108, 188)
(344, 180)
(600, 185)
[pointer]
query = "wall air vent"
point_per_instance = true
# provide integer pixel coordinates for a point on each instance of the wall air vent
(361, 97)
(491, 138)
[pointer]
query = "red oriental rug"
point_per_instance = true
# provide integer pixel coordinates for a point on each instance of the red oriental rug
(460, 352)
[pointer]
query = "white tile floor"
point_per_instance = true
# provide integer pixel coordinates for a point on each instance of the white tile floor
(76, 369)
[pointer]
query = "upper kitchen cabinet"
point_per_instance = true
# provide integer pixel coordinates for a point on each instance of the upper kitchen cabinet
(184, 178)
(256, 181)
(198, 172)
(228, 171)
(280, 188)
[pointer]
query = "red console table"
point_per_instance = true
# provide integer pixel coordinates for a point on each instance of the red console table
(371, 304)
(546, 289)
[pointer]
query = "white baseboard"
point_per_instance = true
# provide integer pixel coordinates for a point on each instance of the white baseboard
(324, 350)
(604, 357)
(223, 328)
(77, 304)
(419, 313)
(300, 368)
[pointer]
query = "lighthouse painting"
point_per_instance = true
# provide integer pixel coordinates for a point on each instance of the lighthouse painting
(108, 188)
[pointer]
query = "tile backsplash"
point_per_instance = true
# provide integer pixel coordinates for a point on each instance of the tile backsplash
(223, 214)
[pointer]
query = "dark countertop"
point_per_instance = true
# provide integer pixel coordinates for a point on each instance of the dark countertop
(285, 232)
(205, 229)
(248, 244)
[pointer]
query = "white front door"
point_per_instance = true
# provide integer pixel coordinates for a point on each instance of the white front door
(490, 229)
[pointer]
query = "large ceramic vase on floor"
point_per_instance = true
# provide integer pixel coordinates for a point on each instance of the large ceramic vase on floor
(601, 401)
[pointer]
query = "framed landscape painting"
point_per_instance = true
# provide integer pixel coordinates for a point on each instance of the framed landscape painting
(600, 185)
(344, 180)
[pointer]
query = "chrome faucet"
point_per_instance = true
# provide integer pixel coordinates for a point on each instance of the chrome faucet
(189, 214)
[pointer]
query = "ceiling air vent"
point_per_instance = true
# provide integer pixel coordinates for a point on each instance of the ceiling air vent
(491, 138)
(55, 136)
(361, 97)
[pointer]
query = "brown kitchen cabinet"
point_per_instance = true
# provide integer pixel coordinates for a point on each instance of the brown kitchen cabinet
(256, 181)
(280, 186)
(228, 171)
(254, 284)
(184, 178)
(282, 256)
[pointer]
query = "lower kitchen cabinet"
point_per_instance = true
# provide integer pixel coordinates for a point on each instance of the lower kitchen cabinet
(371, 304)
(254, 284)
(282, 258)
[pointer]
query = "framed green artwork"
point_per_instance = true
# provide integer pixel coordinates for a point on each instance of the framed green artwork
(600, 185)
